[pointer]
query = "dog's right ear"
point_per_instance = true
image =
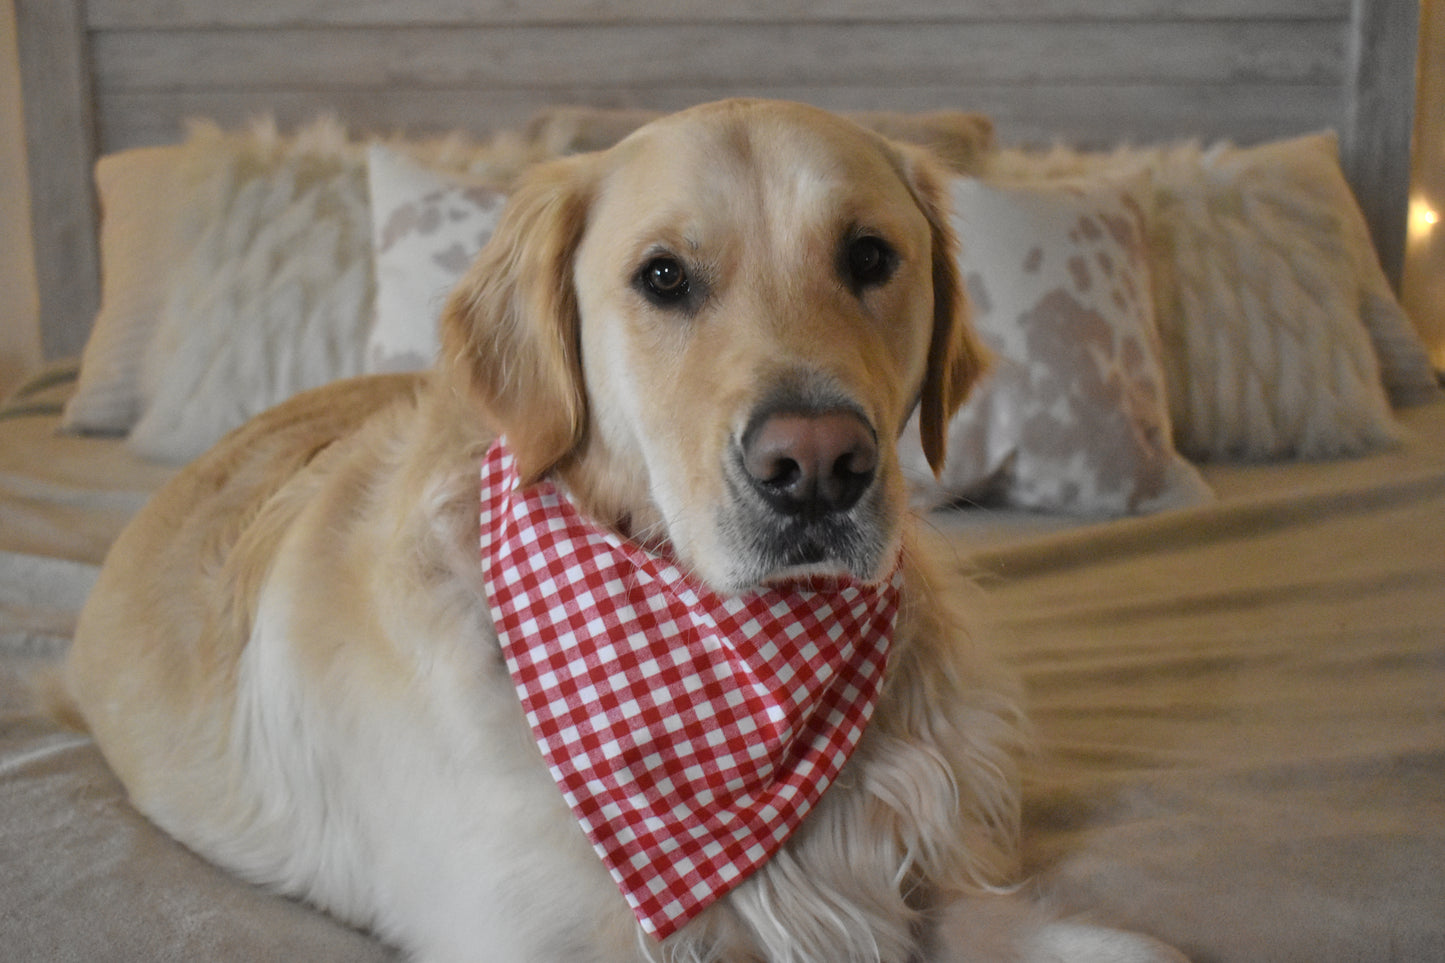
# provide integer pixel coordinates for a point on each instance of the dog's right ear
(510, 333)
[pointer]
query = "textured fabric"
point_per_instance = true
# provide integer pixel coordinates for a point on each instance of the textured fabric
(427, 227)
(1239, 708)
(1073, 416)
(1241, 713)
(273, 296)
(961, 140)
(1303, 174)
(689, 733)
(64, 495)
(142, 195)
(1280, 333)
(1264, 339)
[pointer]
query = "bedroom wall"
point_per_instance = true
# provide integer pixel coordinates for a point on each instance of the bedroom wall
(19, 311)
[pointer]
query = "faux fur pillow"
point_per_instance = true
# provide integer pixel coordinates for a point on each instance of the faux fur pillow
(1265, 342)
(427, 227)
(1073, 417)
(1303, 174)
(274, 295)
(142, 234)
(1278, 326)
(962, 140)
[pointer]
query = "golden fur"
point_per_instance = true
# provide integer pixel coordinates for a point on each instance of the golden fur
(289, 661)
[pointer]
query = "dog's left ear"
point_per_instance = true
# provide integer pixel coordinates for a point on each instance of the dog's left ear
(511, 332)
(956, 358)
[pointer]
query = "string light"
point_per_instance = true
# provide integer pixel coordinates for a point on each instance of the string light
(1423, 217)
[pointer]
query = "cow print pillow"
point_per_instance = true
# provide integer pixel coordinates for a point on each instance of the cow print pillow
(1073, 416)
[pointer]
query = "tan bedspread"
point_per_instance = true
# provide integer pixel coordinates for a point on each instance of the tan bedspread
(1241, 713)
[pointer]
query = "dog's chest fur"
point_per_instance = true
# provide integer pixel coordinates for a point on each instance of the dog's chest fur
(445, 831)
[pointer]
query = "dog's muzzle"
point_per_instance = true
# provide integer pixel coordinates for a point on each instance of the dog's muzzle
(805, 492)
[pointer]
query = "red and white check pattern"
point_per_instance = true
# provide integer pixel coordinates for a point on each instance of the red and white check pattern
(688, 732)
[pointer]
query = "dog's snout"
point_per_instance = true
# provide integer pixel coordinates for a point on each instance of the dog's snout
(811, 464)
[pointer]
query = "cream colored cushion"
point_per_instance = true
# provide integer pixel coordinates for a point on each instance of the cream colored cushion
(1281, 336)
(1265, 342)
(1304, 173)
(962, 140)
(143, 193)
(1073, 417)
(272, 298)
(427, 227)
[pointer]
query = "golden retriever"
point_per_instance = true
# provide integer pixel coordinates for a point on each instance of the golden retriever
(710, 336)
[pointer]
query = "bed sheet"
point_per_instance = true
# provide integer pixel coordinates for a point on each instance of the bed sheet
(63, 500)
(1240, 711)
(83, 876)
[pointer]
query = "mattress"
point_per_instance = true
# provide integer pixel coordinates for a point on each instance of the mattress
(1239, 710)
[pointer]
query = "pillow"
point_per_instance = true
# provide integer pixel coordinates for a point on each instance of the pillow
(273, 296)
(1266, 349)
(960, 139)
(426, 228)
(566, 129)
(1305, 171)
(1073, 416)
(496, 161)
(142, 194)
(1219, 217)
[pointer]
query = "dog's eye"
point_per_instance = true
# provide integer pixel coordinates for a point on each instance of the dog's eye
(663, 280)
(869, 261)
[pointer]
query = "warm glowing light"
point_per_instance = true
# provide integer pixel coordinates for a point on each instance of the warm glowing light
(1423, 217)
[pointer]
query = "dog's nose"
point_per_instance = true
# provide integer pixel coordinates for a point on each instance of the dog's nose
(810, 464)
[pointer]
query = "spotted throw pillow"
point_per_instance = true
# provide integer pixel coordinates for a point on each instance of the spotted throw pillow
(1073, 416)
(427, 226)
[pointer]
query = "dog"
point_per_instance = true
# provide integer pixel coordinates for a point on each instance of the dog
(706, 341)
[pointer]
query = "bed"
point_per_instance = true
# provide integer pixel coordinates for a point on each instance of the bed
(1216, 554)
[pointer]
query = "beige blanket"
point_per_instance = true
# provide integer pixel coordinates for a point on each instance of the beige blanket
(1242, 715)
(1240, 709)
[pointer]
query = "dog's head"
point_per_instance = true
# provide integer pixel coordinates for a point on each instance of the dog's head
(714, 332)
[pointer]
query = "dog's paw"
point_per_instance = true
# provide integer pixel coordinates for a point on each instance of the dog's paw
(1082, 943)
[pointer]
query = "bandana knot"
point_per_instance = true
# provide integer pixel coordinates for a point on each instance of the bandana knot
(689, 733)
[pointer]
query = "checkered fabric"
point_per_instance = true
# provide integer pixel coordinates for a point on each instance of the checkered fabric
(689, 733)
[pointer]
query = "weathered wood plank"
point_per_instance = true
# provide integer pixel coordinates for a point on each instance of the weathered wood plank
(60, 148)
(1087, 71)
(716, 55)
(1085, 115)
(1379, 120)
(165, 14)
(1101, 116)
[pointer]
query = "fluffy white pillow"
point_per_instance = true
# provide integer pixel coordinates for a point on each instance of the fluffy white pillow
(1265, 276)
(427, 227)
(1304, 174)
(142, 198)
(274, 295)
(1073, 416)
(1265, 344)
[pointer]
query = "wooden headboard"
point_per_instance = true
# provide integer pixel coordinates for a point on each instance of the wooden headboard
(103, 75)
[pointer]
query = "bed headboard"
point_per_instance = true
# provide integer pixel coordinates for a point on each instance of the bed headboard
(102, 75)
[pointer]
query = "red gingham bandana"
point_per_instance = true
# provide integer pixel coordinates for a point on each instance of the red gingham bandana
(689, 733)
